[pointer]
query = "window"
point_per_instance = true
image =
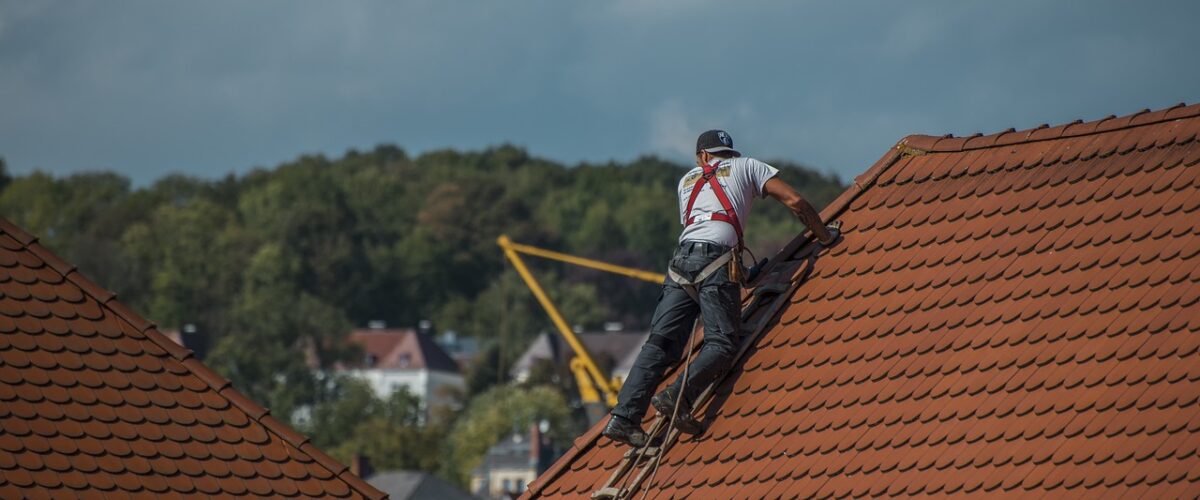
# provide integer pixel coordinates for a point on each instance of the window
(507, 484)
(520, 486)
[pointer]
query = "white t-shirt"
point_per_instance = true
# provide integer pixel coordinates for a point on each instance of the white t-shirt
(742, 179)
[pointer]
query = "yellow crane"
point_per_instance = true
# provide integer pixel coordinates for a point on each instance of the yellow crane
(587, 373)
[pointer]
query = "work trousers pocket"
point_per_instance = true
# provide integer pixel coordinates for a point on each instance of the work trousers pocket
(689, 266)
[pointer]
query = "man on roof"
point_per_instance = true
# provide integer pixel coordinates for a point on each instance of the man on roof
(703, 279)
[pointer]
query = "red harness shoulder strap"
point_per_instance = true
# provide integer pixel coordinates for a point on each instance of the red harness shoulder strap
(729, 216)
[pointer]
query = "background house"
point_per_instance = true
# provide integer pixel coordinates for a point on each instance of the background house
(406, 357)
(609, 348)
(513, 463)
(415, 485)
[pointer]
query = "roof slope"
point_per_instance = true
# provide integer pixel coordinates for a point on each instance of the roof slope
(1013, 314)
(94, 401)
(402, 349)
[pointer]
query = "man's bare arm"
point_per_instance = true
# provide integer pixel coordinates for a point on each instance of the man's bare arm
(780, 190)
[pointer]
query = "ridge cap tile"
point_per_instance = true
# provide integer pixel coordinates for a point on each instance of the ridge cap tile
(122, 311)
(22, 237)
(920, 141)
(322, 459)
(206, 374)
(59, 265)
(247, 405)
(1181, 110)
(180, 353)
(89, 288)
(284, 431)
(358, 484)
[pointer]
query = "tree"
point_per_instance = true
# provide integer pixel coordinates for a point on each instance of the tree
(347, 402)
(195, 253)
(392, 433)
(277, 322)
(396, 438)
(495, 415)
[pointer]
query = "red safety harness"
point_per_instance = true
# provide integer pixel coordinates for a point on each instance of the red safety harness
(730, 216)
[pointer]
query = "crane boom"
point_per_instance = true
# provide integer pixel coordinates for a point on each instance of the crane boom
(584, 366)
(652, 277)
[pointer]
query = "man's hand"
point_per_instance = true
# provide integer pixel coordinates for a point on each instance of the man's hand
(835, 232)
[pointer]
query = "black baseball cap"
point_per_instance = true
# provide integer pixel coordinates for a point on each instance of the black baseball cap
(715, 141)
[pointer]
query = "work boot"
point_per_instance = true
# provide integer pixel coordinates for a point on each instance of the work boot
(664, 402)
(623, 430)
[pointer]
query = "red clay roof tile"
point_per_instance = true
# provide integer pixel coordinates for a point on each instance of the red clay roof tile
(94, 399)
(1012, 314)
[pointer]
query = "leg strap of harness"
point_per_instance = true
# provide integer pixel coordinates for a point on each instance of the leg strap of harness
(692, 286)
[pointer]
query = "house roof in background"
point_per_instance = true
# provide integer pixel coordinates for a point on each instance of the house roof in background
(405, 485)
(616, 346)
(1010, 314)
(514, 451)
(94, 399)
(401, 349)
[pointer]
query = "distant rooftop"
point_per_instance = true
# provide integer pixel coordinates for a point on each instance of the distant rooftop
(414, 485)
(400, 349)
(614, 346)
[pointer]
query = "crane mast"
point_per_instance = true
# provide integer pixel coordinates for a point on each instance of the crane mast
(591, 381)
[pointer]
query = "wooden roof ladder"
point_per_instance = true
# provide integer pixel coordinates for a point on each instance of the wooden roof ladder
(769, 299)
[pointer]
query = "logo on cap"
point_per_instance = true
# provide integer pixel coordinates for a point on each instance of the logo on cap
(724, 138)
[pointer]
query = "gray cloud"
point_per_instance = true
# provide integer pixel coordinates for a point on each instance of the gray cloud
(148, 87)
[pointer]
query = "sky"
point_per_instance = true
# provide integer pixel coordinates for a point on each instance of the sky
(150, 88)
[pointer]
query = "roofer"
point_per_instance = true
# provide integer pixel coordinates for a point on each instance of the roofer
(703, 278)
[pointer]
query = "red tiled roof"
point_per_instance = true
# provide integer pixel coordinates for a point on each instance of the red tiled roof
(402, 349)
(1012, 314)
(94, 401)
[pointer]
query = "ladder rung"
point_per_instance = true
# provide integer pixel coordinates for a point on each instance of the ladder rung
(609, 492)
(633, 453)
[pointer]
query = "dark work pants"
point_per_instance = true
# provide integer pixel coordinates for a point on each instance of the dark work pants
(720, 307)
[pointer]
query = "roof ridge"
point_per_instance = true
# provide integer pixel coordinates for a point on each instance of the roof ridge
(222, 386)
(949, 143)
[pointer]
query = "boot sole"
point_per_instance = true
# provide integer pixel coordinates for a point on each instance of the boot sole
(622, 440)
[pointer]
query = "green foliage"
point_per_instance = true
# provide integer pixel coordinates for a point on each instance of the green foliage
(389, 432)
(498, 413)
(487, 371)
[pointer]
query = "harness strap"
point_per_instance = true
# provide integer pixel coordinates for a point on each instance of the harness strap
(691, 285)
(729, 216)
